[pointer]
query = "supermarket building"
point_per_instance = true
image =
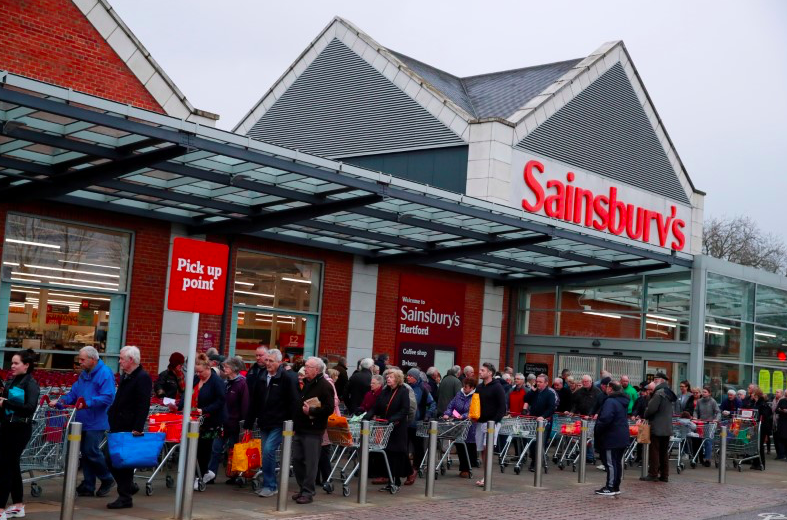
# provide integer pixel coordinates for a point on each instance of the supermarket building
(539, 218)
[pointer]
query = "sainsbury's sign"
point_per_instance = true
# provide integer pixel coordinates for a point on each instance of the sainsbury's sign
(548, 188)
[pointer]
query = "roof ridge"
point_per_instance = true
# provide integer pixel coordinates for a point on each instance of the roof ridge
(507, 71)
(469, 97)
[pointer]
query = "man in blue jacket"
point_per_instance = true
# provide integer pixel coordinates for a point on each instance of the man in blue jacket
(93, 393)
(543, 406)
(612, 436)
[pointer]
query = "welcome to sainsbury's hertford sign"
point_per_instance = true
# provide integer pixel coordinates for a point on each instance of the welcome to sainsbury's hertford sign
(572, 195)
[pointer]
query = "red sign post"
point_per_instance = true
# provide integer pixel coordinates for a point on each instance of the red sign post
(197, 283)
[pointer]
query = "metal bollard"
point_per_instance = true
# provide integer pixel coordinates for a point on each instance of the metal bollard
(72, 467)
(583, 451)
(539, 462)
(723, 456)
(364, 461)
(191, 470)
(284, 470)
(431, 461)
(490, 454)
(645, 459)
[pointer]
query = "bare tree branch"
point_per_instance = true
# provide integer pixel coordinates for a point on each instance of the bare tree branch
(740, 240)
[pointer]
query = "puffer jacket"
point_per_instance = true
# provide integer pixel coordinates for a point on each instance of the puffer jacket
(612, 426)
(461, 404)
(659, 410)
(97, 388)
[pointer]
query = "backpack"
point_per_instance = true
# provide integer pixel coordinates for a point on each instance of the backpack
(413, 404)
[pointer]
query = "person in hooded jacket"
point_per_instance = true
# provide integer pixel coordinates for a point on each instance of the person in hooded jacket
(659, 413)
(493, 406)
(458, 409)
(612, 436)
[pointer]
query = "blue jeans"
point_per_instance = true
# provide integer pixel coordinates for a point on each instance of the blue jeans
(707, 446)
(270, 441)
(219, 444)
(94, 465)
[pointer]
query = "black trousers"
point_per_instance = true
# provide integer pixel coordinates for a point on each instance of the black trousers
(613, 462)
(464, 463)
(659, 458)
(418, 447)
(324, 465)
(13, 439)
(204, 453)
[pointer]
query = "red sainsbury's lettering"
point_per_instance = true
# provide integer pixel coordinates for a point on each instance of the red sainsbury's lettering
(534, 186)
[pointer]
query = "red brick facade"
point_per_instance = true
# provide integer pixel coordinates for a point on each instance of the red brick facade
(386, 310)
(52, 41)
(148, 271)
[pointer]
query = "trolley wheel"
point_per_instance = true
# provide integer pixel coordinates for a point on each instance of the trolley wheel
(328, 487)
(442, 470)
(573, 468)
(679, 470)
(693, 465)
(436, 474)
(148, 489)
(502, 468)
(517, 470)
(170, 482)
(202, 486)
(420, 473)
(546, 469)
(345, 491)
(342, 475)
(560, 466)
(394, 489)
(448, 463)
(554, 459)
(740, 468)
(35, 490)
(255, 484)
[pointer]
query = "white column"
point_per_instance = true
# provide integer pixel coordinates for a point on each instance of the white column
(492, 323)
(363, 304)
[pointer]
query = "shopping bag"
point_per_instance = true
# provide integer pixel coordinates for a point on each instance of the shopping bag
(254, 455)
(127, 450)
(475, 408)
(643, 433)
(246, 454)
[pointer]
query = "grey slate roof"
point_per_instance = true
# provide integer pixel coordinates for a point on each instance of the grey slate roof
(498, 94)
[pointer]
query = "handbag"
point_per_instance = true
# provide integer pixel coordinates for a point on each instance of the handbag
(475, 408)
(643, 433)
(247, 454)
(127, 450)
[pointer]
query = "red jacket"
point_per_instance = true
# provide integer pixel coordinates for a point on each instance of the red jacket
(516, 401)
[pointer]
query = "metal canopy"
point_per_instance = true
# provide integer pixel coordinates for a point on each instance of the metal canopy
(70, 147)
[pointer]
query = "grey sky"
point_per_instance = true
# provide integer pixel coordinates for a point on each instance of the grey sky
(716, 70)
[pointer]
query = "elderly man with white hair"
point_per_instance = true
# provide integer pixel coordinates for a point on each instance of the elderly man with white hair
(359, 385)
(92, 394)
(128, 413)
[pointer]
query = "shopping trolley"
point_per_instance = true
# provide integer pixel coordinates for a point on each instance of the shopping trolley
(522, 430)
(46, 451)
(172, 426)
(455, 432)
(349, 438)
(679, 440)
(706, 431)
(743, 441)
(564, 428)
(630, 454)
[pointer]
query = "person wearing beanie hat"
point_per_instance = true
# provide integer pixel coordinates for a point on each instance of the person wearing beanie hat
(170, 382)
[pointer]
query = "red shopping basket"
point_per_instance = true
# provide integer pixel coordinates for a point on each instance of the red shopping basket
(169, 423)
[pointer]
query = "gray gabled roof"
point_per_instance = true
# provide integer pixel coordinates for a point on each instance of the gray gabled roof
(495, 95)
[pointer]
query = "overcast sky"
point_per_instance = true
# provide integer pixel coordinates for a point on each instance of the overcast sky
(715, 70)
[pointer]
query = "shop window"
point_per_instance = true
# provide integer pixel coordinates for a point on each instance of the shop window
(724, 376)
(63, 287)
(606, 311)
(276, 303)
(770, 346)
(728, 340)
(668, 306)
(729, 298)
(537, 313)
(771, 306)
(770, 379)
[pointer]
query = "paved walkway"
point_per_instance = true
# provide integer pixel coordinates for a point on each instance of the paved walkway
(692, 495)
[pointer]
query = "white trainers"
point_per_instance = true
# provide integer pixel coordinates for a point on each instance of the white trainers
(196, 487)
(207, 477)
(13, 512)
(266, 492)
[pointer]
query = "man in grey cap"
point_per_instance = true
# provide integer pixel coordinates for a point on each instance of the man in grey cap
(659, 413)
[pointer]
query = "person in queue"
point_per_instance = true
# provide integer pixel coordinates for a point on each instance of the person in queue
(758, 402)
(370, 399)
(659, 413)
(730, 404)
(458, 409)
(128, 413)
(324, 465)
(258, 369)
(563, 394)
(780, 437)
(433, 380)
(572, 385)
(18, 403)
(236, 401)
(425, 409)
(583, 401)
(516, 398)
(612, 436)
(493, 406)
(341, 381)
(542, 406)
(393, 406)
(208, 400)
(707, 409)
(170, 382)
(358, 385)
(467, 372)
(93, 393)
(450, 385)
(276, 395)
(627, 388)
(685, 401)
(310, 418)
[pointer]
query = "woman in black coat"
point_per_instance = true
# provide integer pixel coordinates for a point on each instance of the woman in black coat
(765, 418)
(393, 405)
(781, 429)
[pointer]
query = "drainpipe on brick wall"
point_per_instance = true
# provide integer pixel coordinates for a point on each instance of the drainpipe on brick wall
(227, 299)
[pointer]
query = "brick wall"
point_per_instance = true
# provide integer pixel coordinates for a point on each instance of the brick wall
(337, 283)
(149, 269)
(386, 314)
(52, 41)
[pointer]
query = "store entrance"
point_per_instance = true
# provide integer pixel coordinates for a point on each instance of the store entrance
(618, 366)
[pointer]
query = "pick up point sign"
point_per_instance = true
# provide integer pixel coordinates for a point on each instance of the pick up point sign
(197, 276)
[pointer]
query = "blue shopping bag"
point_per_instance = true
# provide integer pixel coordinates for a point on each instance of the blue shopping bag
(127, 450)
